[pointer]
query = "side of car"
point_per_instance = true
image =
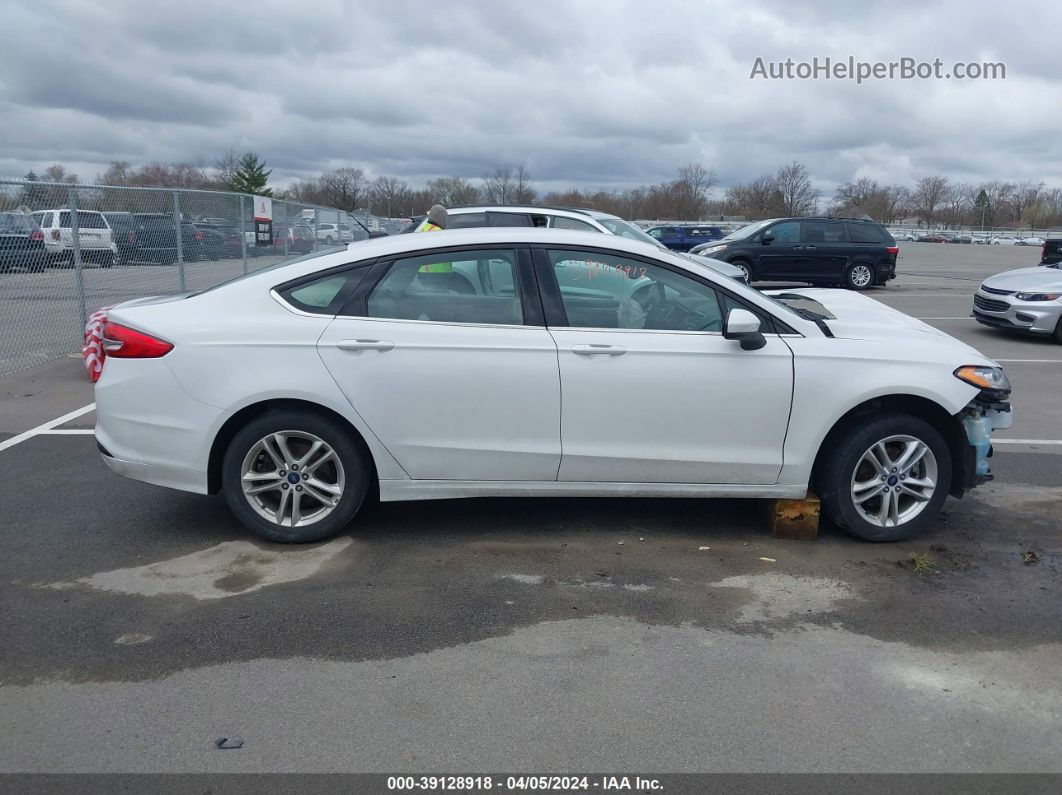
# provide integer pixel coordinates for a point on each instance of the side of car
(391, 373)
(95, 239)
(684, 237)
(824, 251)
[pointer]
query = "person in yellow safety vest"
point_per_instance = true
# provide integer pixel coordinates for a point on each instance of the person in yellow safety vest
(435, 222)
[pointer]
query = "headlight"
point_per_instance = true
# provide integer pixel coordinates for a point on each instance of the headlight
(1037, 296)
(984, 377)
(707, 252)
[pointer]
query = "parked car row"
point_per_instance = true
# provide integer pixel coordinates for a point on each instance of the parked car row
(975, 239)
(34, 241)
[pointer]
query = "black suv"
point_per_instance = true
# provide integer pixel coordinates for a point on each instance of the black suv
(824, 251)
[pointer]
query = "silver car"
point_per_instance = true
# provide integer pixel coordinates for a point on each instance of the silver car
(1027, 299)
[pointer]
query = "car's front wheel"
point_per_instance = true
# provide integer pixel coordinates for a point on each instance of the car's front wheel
(745, 267)
(885, 480)
(859, 276)
(294, 476)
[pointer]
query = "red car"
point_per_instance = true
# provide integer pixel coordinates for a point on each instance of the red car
(296, 239)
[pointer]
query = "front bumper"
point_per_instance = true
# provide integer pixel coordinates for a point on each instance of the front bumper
(1006, 311)
(985, 414)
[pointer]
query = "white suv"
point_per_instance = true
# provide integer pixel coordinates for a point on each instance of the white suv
(330, 234)
(578, 220)
(95, 239)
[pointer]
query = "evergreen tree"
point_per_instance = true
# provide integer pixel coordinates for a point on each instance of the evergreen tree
(251, 176)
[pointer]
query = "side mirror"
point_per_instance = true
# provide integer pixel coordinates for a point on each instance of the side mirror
(743, 326)
(767, 238)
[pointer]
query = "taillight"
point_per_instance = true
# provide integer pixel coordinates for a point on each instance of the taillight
(893, 249)
(132, 238)
(55, 234)
(1043, 250)
(198, 235)
(126, 343)
(36, 234)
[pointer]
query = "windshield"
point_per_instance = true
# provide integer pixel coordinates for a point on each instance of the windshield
(747, 231)
(618, 226)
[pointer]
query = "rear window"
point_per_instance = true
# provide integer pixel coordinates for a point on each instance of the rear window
(16, 222)
(84, 220)
(865, 233)
(159, 223)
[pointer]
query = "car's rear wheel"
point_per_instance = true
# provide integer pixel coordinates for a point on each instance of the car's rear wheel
(1058, 331)
(885, 480)
(859, 276)
(294, 476)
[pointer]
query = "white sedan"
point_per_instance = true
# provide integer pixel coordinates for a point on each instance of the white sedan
(538, 362)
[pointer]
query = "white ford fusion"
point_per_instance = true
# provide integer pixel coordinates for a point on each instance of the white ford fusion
(538, 362)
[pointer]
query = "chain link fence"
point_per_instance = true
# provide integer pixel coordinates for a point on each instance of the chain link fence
(68, 250)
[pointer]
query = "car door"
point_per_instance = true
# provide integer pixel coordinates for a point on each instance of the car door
(652, 392)
(826, 251)
(446, 358)
(780, 253)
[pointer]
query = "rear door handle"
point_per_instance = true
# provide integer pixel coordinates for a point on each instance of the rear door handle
(809, 248)
(365, 345)
(598, 350)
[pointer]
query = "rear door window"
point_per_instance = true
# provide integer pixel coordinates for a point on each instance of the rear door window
(817, 233)
(466, 221)
(477, 287)
(508, 219)
(326, 294)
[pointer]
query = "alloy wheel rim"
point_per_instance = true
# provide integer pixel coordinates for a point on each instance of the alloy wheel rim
(292, 478)
(894, 480)
(860, 275)
(745, 269)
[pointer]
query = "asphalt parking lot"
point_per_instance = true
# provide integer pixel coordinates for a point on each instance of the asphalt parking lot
(648, 636)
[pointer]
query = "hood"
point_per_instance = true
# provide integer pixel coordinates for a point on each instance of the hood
(1040, 278)
(717, 265)
(854, 316)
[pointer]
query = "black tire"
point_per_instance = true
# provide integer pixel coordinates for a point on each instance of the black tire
(329, 241)
(838, 466)
(746, 266)
(1058, 332)
(355, 466)
(859, 276)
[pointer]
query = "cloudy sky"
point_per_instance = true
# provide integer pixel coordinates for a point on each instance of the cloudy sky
(584, 93)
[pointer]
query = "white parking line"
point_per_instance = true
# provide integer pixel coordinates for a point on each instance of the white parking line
(45, 427)
(67, 432)
(1026, 441)
(944, 318)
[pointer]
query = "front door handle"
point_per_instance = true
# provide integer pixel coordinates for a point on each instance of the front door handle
(598, 350)
(365, 345)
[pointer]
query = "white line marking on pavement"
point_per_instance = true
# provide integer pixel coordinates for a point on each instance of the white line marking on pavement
(1026, 441)
(67, 432)
(47, 426)
(944, 318)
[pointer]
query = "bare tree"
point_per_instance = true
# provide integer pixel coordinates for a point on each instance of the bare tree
(451, 191)
(343, 188)
(508, 185)
(58, 173)
(798, 197)
(758, 199)
(226, 166)
(691, 190)
(929, 194)
(388, 194)
(1024, 195)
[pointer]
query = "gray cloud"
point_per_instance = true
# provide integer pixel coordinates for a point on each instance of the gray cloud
(593, 93)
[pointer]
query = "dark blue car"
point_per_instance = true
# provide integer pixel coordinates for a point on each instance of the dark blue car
(683, 238)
